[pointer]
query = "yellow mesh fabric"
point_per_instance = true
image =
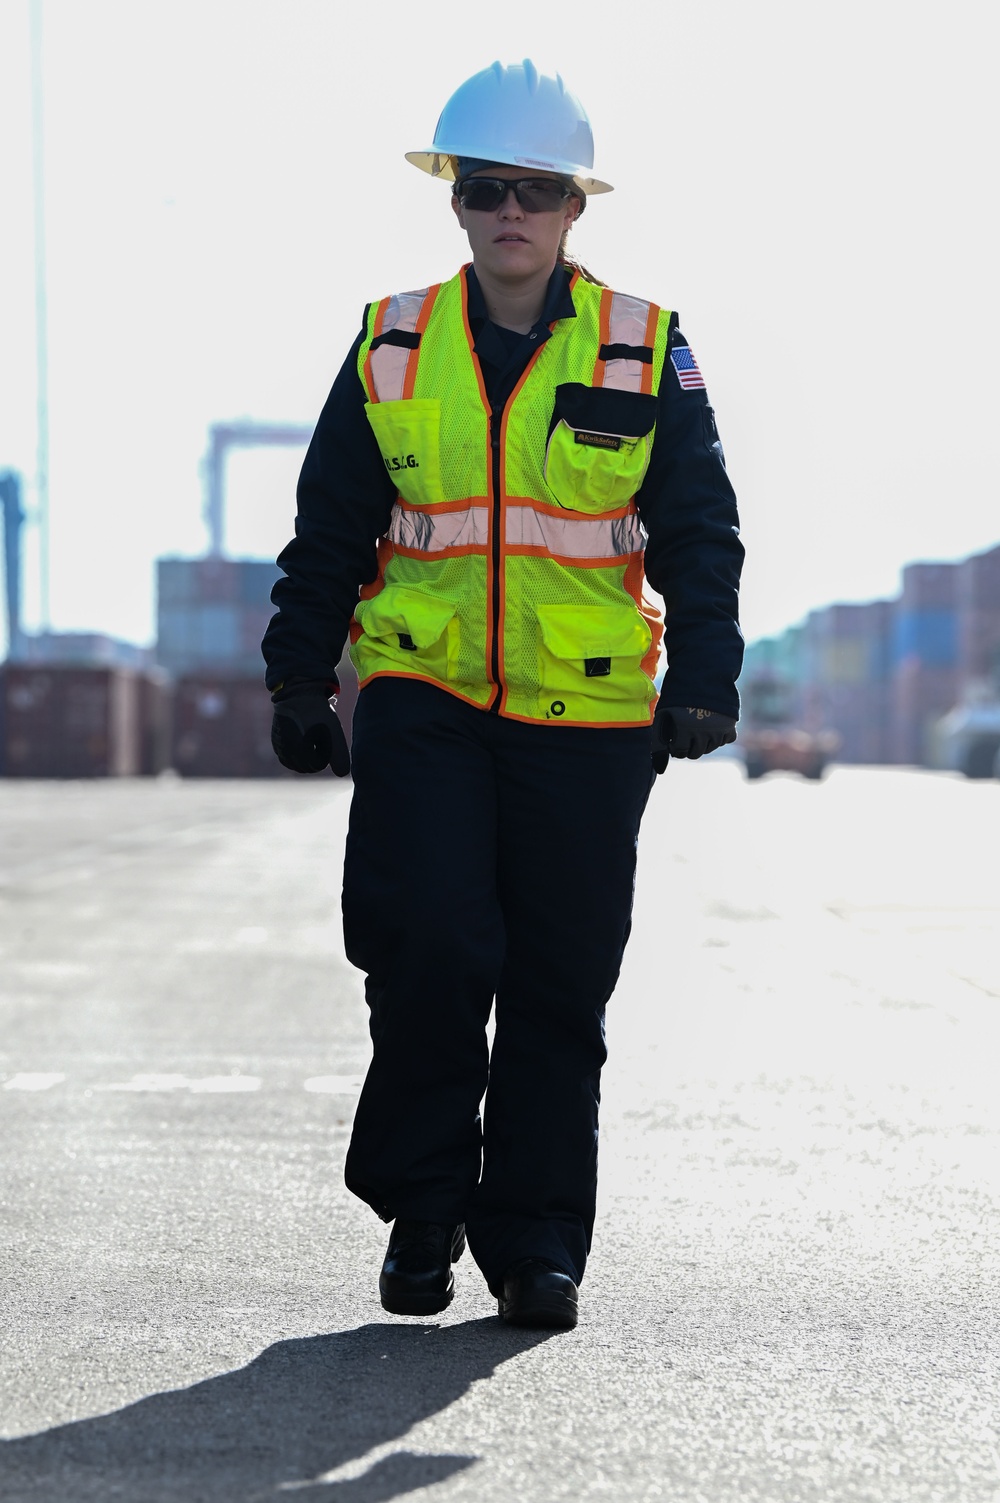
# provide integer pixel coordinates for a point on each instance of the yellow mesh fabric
(533, 583)
(598, 605)
(460, 580)
(447, 364)
(570, 355)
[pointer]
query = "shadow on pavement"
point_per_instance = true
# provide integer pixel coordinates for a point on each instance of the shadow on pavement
(275, 1429)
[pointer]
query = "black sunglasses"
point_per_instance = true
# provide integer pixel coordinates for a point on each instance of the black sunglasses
(536, 195)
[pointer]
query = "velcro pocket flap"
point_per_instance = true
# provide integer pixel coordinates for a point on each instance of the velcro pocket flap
(575, 632)
(401, 611)
(601, 409)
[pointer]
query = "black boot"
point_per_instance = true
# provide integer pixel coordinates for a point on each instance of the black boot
(534, 1293)
(416, 1277)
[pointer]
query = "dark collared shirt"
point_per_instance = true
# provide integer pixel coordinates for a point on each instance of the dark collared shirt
(503, 353)
(686, 504)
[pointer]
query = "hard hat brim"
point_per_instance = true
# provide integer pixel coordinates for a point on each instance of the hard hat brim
(442, 165)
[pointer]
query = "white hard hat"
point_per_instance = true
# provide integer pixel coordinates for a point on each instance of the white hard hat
(518, 117)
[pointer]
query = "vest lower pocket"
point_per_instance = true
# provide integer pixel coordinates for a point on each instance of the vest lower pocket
(408, 436)
(599, 446)
(407, 629)
(591, 656)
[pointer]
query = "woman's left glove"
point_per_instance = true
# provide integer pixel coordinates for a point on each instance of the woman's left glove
(679, 731)
(305, 732)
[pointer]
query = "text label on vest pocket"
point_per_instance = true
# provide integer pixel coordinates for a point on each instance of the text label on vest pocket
(401, 462)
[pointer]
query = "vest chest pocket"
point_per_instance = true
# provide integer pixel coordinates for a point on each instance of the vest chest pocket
(411, 630)
(408, 435)
(599, 445)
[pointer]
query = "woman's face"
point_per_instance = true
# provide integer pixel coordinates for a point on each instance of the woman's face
(508, 243)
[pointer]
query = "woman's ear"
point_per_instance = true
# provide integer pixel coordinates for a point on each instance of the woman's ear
(572, 214)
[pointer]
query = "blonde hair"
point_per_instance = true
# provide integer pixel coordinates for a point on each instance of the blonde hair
(571, 262)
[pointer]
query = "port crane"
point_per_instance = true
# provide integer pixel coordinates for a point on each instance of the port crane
(242, 433)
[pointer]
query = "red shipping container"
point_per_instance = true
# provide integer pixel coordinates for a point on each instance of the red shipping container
(222, 728)
(70, 722)
(155, 722)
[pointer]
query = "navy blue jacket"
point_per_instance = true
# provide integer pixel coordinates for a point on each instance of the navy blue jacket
(686, 505)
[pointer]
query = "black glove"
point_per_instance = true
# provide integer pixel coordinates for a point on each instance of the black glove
(305, 732)
(680, 731)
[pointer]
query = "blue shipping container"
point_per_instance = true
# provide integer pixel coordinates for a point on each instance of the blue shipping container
(929, 635)
(256, 582)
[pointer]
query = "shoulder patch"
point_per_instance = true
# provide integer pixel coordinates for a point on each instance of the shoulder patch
(686, 366)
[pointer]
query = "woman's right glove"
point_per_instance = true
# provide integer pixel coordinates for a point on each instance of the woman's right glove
(305, 732)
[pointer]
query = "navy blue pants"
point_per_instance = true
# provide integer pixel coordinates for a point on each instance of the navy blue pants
(487, 860)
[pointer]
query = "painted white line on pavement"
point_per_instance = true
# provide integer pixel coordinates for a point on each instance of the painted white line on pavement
(209, 1084)
(226, 1084)
(220, 1085)
(27, 1081)
(335, 1085)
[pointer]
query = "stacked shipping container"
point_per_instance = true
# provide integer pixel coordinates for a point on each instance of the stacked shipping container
(222, 728)
(883, 673)
(979, 620)
(70, 722)
(925, 657)
(854, 675)
(211, 614)
(204, 710)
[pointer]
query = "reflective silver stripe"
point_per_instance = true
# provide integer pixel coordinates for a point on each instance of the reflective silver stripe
(574, 537)
(433, 531)
(389, 361)
(567, 537)
(627, 325)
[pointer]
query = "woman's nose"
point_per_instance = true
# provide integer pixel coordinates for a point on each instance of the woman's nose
(509, 205)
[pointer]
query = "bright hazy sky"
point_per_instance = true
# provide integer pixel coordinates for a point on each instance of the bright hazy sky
(811, 185)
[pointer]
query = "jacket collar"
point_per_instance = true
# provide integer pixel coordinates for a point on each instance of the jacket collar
(558, 299)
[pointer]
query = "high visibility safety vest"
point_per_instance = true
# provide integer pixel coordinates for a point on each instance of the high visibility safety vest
(511, 574)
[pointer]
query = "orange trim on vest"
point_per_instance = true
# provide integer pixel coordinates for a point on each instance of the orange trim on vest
(397, 365)
(438, 508)
(590, 725)
(380, 313)
(424, 678)
(461, 550)
(503, 515)
(426, 309)
(611, 515)
(604, 336)
(490, 498)
(647, 370)
(532, 550)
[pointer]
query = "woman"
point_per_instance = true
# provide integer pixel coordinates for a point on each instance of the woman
(498, 458)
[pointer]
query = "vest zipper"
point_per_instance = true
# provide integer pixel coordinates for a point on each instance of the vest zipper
(496, 421)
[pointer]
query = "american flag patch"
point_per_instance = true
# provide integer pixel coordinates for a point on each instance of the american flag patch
(686, 366)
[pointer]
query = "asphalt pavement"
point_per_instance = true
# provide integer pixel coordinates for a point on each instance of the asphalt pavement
(794, 1291)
